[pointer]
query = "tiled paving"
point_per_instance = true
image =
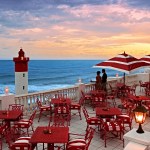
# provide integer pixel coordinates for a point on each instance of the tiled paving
(79, 126)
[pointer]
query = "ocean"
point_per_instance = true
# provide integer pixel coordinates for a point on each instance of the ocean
(51, 74)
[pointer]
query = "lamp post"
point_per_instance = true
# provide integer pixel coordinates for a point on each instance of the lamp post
(140, 116)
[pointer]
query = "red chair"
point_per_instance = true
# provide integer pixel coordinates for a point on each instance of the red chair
(3, 128)
(133, 89)
(15, 143)
(111, 127)
(99, 101)
(81, 143)
(147, 92)
(77, 107)
(112, 90)
(126, 106)
(25, 123)
(16, 107)
(147, 106)
(126, 121)
(62, 115)
(91, 120)
(43, 108)
(87, 97)
(142, 85)
(21, 143)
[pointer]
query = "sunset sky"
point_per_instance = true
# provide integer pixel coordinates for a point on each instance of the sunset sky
(74, 29)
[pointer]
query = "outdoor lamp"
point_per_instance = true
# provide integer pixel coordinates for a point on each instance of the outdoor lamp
(140, 116)
(6, 90)
(117, 75)
(80, 80)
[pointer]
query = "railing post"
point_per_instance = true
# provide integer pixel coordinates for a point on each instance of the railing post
(81, 87)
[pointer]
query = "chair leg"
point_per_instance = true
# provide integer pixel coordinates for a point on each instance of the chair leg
(105, 137)
(28, 131)
(80, 114)
(1, 144)
(40, 115)
(32, 128)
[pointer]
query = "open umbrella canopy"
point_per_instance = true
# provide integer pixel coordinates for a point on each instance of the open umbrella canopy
(122, 62)
(146, 58)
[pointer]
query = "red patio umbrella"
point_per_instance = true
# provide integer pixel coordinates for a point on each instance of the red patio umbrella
(146, 58)
(122, 62)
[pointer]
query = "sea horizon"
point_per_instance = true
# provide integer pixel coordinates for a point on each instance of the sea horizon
(51, 74)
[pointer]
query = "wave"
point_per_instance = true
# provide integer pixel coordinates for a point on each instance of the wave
(34, 88)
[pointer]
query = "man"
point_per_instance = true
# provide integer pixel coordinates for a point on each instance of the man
(104, 80)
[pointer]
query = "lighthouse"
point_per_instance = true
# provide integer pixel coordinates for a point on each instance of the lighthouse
(21, 73)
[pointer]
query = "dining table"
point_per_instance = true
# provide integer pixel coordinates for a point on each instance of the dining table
(60, 101)
(139, 98)
(10, 115)
(107, 112)
(120, 85)
(147, 85)
(97, 92)
(50, 135)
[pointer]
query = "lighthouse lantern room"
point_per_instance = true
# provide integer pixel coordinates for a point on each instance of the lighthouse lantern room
(21, 73)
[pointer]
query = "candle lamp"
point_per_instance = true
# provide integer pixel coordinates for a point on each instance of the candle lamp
(6, 90)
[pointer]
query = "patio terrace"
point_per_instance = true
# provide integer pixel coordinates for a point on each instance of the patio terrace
(79, 126)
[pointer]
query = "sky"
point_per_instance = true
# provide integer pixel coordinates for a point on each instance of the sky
(74, 29)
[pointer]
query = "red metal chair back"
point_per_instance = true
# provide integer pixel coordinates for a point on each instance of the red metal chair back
(16, 107)
(81, 101)
(86, 115)
(62, 110)
(20, 146)
(39, 103)
(62, 114)
(3, 129)
(112, 125)
(88, 137)
(10, 136)
(32, 116)
(81, 143)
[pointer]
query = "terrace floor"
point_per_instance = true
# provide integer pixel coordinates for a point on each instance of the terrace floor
(79, 126)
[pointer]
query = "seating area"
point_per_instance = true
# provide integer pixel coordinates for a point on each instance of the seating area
(119, 120)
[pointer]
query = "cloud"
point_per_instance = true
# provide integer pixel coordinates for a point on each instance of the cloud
(74, 27)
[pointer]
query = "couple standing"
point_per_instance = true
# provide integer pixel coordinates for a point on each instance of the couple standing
(101, 81)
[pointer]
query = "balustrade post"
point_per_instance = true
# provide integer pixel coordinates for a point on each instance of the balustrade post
(81, 87)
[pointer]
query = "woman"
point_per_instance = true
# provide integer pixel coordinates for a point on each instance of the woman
(98, 81)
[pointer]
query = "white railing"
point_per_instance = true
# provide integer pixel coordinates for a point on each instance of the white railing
(29, 100)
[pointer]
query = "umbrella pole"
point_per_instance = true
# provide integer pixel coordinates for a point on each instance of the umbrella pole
(124, 79)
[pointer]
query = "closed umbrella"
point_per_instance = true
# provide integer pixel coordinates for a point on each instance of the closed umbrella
(123, 62)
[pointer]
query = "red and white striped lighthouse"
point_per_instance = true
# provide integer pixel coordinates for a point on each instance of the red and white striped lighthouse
(21, 73)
